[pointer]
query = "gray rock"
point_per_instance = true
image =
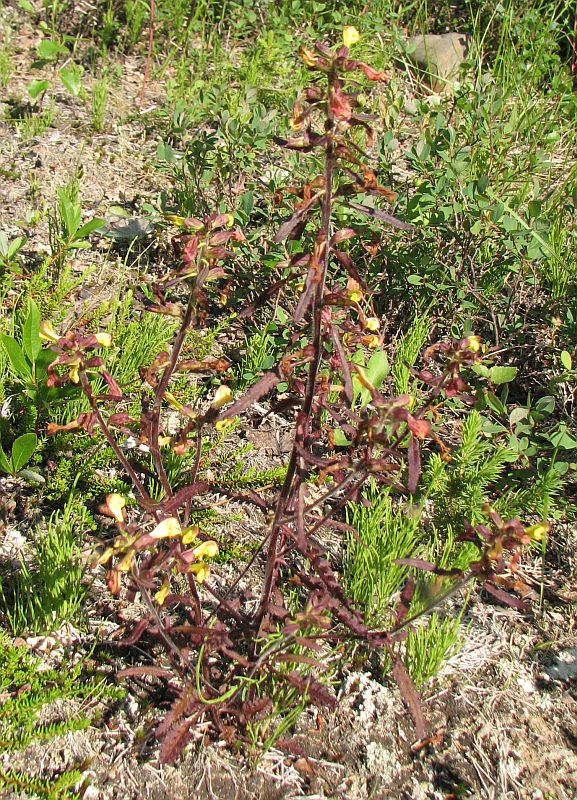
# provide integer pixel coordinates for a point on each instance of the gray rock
(439, 56)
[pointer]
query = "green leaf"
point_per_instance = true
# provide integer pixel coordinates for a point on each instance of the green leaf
(22, 450)
(17, 358)
(89, 227)
(566, 359)
(494, 403)
(70, 213)
(376, 371)
(340, 439)
(35, 88)
(31, 341)
(545, 405)
(71, 77)
(49, 50)
(499, 375)
(5, 465)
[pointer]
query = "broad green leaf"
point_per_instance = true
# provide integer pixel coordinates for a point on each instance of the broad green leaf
(545, 405)
(566, 359)
(340, 439)
(22, 450)
(481, 370)
(499, 375)
(89, 227)
(376, 371)
(378, 368)
(49, 50)
(31, 341)
(17, 358)
(71, 77)
(3, 244)
(35, 88)
(5, 465)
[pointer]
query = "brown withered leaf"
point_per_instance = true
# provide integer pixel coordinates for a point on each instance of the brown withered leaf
(299, 216)
(376, 213)
(210, 364)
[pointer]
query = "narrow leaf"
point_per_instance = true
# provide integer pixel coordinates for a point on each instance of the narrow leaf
(409, 695)
(31, 333)
(17, 358)
(376, 213)
(290, 224)
(414, 459)
(254, 394)
(89, 227)
(5, 465)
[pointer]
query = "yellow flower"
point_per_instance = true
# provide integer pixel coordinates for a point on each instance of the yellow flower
(372, 324)
(225, 424)
(222, 396)
(200, 570)
(167, 528)
(190, 534)
(116, 503)
(537, 532)
(474, 343)
(161, 594)
(350, 35)
(73, 374)
(47, 332)
(371, 341)
(309, 57)
(206, 550)
(355, 296)
(103, 339)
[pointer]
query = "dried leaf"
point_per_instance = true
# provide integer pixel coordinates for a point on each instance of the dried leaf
(376, 213)
(409, 695)
(290, 224)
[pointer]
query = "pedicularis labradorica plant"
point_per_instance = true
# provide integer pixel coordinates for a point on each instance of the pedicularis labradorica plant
(230, 652)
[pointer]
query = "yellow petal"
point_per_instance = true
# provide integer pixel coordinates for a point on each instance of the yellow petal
(167, 528)
(200, 570)
(47, 332)
(350, 35)
(474, 343)
(537, 532)
(172, 401)
(222, 396)
(161, 594)
(103, 339)
(125, 563)
(372, 324)
(355, 296)
(190, 534)
(74, 375)
(206, 550)
(116, 503)
(371, 341)
(309, 57)
(225, 424)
